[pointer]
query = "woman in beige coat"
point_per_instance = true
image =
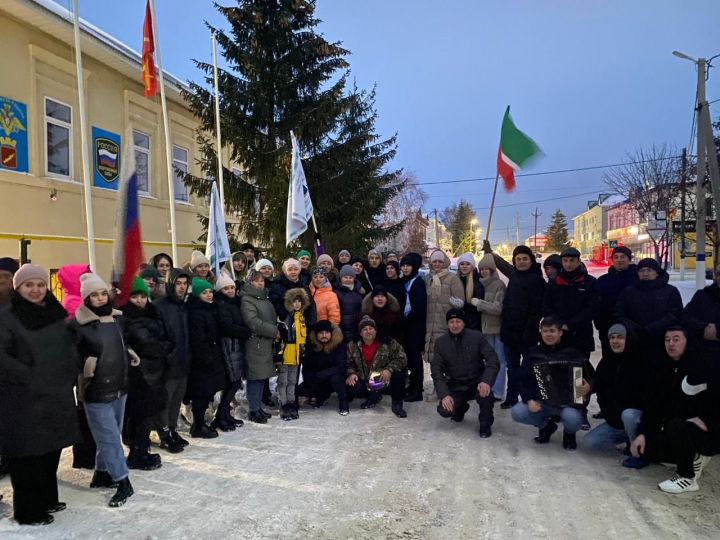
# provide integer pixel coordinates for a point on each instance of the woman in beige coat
(491, 308)
(444, 291)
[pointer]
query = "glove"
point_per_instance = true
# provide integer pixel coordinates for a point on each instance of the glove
(457, 302)
(486, 247)
(134, 358)
(475, 302)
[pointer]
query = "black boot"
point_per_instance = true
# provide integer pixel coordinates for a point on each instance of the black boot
(569, 441)
(546, 432)
(222, 425)
(168, 443)
(201, 431)
(285, 413)
(102, 479)
(124, 491)
(236, 421)
(44, 519)
(57, 507)
(485, 431)
(397, 408)
(177, 438)
(140, 459)
(293, 409)
(257, 417)
(265, 413)
(372, 400)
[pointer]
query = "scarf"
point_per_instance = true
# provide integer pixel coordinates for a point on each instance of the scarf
(408, 304)
(36, 316)
(469, 286)
(102, 311)
(436, 283)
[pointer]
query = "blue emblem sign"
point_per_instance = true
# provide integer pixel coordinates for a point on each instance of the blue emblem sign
(13, 136)
(106, 158)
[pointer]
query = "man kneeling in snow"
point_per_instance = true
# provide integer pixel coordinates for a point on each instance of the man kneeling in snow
(325, 365)
(464, 367)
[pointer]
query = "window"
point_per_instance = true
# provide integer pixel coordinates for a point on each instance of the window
(58, 139)
(180, 161)
(141, 147)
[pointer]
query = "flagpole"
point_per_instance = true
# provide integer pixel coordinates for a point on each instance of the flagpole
(221, 183)
(168, 146)
(83, 141)
(492, 207)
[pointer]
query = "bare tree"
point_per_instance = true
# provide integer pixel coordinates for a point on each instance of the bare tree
(404, 210)
(649, 180)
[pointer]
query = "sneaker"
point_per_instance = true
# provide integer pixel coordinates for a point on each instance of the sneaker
(343, 412)
(699, 464)
(57, 507)
(485, 432)
(632, 462)
(257, 417)
(123, 493)
(222, 425)
(678, 484)
(569, 441)
(203, 432)
(544, 433)
(236, 421)
(44, 519)
(175, 436)
(141, 460)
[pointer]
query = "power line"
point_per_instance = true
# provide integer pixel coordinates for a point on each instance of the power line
(537, 201)
(559, 171)
(466, 195)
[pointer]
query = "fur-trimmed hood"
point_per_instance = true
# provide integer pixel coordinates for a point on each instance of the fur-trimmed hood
(326, 348)
(84, 315)
(368, 307)
(297, 293)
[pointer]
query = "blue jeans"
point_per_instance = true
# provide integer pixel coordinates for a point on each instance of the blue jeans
(570, 417)
(106, 421)
(605, 437)
(254, 393)
(497, 344)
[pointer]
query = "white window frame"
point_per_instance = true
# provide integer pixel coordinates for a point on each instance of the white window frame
(187, 168)
(148, 152)
(63, 124)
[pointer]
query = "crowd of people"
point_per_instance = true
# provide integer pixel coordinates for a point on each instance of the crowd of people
(98, 376)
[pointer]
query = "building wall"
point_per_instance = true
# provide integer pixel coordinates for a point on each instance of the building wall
(35, 65)
(590, 229)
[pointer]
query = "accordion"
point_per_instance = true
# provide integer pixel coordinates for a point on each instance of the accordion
(558, 381)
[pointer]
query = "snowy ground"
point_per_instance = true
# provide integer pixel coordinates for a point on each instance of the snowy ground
(372, 475)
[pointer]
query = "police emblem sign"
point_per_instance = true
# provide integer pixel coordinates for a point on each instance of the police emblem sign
(106, 158)
(13, 135)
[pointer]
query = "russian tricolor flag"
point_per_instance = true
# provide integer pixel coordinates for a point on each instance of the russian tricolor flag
(128, 240)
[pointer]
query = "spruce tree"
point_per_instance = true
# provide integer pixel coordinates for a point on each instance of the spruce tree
(283, 75)
(458, 218)
(557, 232)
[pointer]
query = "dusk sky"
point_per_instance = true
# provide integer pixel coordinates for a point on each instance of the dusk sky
(588, 81)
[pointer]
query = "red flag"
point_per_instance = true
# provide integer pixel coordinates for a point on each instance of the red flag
(148, 62)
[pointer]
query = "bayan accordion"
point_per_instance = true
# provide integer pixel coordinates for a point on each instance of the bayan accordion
(558, 381)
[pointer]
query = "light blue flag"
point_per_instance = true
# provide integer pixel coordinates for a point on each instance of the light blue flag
(218, 247)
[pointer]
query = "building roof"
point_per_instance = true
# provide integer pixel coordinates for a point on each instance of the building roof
(57, 21)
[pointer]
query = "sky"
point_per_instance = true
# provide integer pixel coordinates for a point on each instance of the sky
(590, 81)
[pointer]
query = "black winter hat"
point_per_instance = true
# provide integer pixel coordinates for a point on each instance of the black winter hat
(455, 313)
(553, 260)
(623, 249)
(379, 291)
(649, 263)
(412, 259)
(248, 245)
(524, 250)
(570, 252)
(395, 265)
(323, 326)
(9, 265)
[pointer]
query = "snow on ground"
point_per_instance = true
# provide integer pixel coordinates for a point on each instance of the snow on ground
(372, 475)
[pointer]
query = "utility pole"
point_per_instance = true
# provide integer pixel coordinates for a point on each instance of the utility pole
(536, 215)
(713, 171)
(700, 189)
(517, 228)
(683, 179)
(437, 230)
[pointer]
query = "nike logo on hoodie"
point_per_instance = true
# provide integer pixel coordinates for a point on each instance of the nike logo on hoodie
(692, 389)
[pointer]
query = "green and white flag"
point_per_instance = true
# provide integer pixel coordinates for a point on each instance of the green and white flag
(516, 150)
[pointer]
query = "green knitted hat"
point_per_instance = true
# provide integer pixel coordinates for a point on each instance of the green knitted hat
(199, 285)
(303, 253)
(139, 286)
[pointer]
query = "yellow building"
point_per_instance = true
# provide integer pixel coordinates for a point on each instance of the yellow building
(41, 189)
(590, 227)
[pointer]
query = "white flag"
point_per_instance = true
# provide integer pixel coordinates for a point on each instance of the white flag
(218, 247)
(299, 207)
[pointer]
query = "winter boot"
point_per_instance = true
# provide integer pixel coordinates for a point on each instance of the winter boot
(293, 409)
(168, 443)
(44, 519)
(397, 409)
(102, 479)
(257, 417)
(202, 431)
(544, 433)
(372, 400)
(569, 441)
(177, 438)
(265, 413)
(485, 432)
(57, 507)
(285, 413)
(235, 421)
(222, 425)
(124, 491)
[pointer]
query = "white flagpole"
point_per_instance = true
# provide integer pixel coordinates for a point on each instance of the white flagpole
(221, 183)
(87, 185)
(168, 144)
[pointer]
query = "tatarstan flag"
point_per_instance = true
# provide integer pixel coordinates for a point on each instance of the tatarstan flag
(148, 49)
(516, 149)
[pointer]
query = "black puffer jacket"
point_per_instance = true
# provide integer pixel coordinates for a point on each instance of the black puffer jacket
(522, 304)
(234, 334)
(105, 357)
(649, 307)
(174, 312)
(350, 306)
(573, 298)
(39, 365)
(463, 361)
(703, 309)
(147, 334)
(610, 286)
(376, 276)
(326, 359)
(617, 384)
(277, 292)
(207, 373)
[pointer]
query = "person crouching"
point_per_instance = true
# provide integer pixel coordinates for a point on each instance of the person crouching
(295, 330)
(464, 367)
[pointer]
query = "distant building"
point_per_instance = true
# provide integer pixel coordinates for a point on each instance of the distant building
(624, 228)
(438, 236)
(537, 242)
(591, 226)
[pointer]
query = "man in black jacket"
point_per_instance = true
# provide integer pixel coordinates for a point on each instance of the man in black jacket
(325, 364)
(620, 275)
(535, 410)
(464, 367)
(173, 310)
(521, 312)
(702, 317)
(681, 421)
